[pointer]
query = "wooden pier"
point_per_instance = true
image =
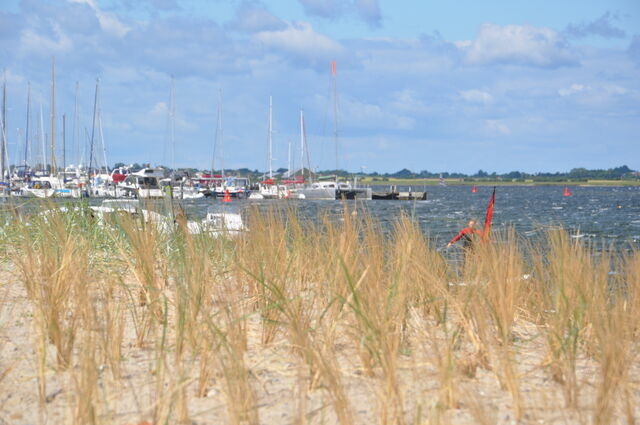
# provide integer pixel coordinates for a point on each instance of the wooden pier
(394, 195)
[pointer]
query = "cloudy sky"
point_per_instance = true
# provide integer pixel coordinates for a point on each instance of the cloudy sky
(426, 85)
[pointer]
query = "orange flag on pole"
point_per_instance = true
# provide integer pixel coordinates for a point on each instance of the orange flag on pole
(333, 68)
(489, 216)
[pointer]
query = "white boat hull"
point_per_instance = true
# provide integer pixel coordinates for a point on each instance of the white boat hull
(37, 193)
(150, 193)
(314, 193)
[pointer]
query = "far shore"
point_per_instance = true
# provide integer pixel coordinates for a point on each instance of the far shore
(381, 181)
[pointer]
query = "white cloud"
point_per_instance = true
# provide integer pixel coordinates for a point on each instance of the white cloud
(518, 44)
(573, 89)
(475, 96)
(301, 40)
(601, 91)
(31, 41)
(596, 95)
(108, 21)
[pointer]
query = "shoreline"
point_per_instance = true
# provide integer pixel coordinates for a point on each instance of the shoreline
(459, 182)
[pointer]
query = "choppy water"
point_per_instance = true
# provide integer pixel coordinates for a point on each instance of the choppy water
(611, 214)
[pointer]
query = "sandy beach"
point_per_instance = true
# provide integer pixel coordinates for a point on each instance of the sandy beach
(319, 354)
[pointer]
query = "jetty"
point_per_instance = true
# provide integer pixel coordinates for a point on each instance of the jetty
(393, 194)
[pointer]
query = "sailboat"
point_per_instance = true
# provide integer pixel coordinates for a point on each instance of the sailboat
(328, 187)
(102, 182)
(320, 190)
(179, 185)
(39, 186)
(269, 188)
(22, 173)
(50, 184)
(216, 185)
(43, 183)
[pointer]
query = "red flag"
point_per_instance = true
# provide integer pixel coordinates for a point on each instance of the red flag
(489, 216)
(333, 68)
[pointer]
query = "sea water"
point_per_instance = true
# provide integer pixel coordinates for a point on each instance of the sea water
(605, 215)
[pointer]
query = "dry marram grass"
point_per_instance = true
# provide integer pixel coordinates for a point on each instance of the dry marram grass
(294, 321)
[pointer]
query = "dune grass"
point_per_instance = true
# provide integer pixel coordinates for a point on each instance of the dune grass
(325, 321)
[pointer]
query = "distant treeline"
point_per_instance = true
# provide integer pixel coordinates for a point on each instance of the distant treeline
(576, 174)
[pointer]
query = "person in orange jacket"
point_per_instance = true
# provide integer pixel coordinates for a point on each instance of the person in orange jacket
(468, 235)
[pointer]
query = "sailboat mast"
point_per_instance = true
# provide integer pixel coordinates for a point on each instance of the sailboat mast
(302, 143)
(101, 133)
(26, 137)
(93, 126)
(221, 134)
(172, 123)
(289, 161)
(335, 110)
(104, 147)
(270, 136)
(64, 147)
(53, 115)
(4, 125)
(75, 142)
(42, 142)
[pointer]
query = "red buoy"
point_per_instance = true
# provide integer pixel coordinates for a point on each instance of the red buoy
(566, 192)
(227, 196)
(474, 190)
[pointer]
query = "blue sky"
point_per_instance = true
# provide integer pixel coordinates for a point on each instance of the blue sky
(426, 85)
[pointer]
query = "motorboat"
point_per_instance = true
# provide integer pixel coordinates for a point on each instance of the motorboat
(144, 184)
(322, 190)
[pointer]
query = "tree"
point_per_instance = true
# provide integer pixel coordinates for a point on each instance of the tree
(403, 174)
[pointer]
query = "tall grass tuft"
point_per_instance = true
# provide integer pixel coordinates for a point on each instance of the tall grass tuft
(54, 265)
(140, 246)
(499, 273)
(566, 273)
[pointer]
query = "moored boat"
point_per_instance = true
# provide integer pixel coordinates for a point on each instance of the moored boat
(144, 184)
